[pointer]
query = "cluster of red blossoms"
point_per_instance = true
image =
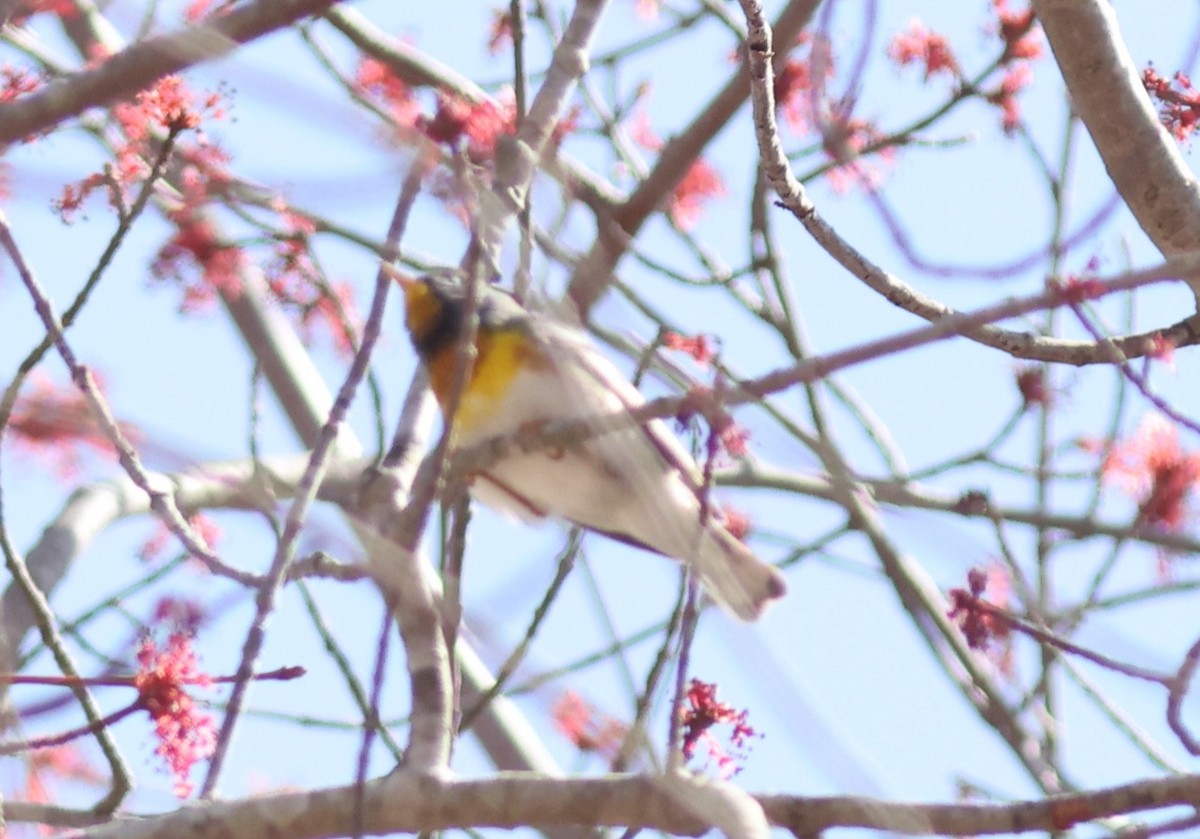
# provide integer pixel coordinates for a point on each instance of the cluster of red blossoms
(702, 712)
(1179, 102)
(979, 621)
(699, 347)
(185, 734)
(800, 98)
(1152, 467)
(196, 256)
(167, 106)
(592, 731)
(56, 423)
(726, 435)
(699, 184)
(587, 727)
(801, 80)
(476, 125)
(156, 545)
(457, 123)
(65, 762)
(921, 47)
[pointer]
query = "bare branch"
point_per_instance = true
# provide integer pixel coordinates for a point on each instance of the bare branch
(411, 804)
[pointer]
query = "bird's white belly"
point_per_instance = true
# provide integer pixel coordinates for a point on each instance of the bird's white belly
(591, 483)
(564, 485)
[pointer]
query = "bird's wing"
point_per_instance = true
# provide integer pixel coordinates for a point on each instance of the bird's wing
(664, 507)
(582, 367)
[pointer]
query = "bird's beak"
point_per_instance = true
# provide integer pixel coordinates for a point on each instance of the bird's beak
(406, 281)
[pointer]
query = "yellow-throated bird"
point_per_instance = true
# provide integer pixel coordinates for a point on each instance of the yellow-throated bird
(636, 484)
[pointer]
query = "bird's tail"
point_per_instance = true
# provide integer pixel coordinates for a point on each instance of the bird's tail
(733, 576)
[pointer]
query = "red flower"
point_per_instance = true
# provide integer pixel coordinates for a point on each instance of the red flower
(566, 126)
(195, 243)
(699, 347)
(480, 124)
(1076, 289)
(185, 735)
(917, 45)
(1016, 78)
(292, 269)
(57, 424)
(1179, 102)
(374, 78)
(156, 544)
(704, 711)
(167, 104)
(292, 248)
(701, 183)
(335, 313)
(795, 84)
(501, 33)
(1162, 349)
(16, 82)
(70, 201)
(170, 104)
(589, 729)
(647, 9)
(1151, 467)
(845, 139)
(643, 133)
(736, 522)
(1031, 383)
(197, 10)
(1016, 30)
(734, 439)
(982, 622)
(194, 256)
(64, 762)
(295, 282)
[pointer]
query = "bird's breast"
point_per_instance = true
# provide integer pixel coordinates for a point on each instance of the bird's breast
(504, 359)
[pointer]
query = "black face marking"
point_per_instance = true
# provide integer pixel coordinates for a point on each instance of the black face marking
(446, 325)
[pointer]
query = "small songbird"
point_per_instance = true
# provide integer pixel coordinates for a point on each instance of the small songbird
(636, 484)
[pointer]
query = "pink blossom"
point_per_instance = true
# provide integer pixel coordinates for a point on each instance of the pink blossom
(699, 184)
(704, 711)
(185, 735)
(917, 45)
(589, 729)
(1153, 468)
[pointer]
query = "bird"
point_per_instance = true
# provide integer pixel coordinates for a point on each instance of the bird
(636, 484)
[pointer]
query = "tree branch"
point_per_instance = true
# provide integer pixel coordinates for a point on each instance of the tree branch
(1106, 90)
(412, 804)
(794, 198)
(593, 274)
(140, 64)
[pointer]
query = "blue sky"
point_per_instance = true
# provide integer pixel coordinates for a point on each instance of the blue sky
(835, 678)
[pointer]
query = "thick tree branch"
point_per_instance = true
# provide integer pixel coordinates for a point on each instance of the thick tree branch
(594, 272)
(1106, 90)
(139, 65)
(412, 804)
